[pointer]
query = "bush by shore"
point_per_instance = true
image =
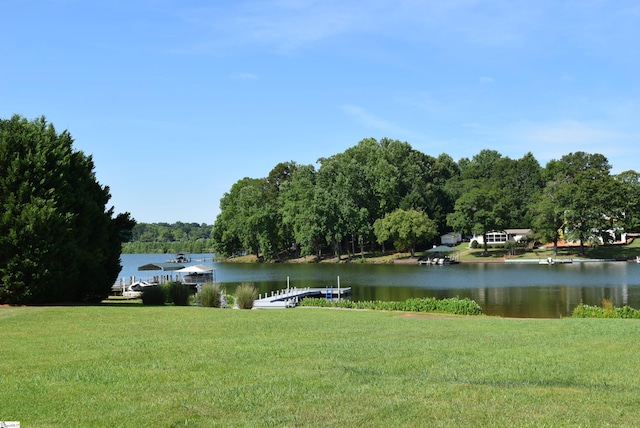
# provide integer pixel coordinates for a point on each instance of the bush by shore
(453, 305)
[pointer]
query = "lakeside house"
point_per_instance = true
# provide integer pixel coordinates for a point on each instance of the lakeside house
(451, 239)
(501, 237)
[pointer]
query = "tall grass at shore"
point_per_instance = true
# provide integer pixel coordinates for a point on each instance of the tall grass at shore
(135, 365)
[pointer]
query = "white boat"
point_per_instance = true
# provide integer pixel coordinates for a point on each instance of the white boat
(180, 258)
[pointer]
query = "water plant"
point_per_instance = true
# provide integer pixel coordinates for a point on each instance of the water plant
(210, 294)
(452, 305)
(245, 294)
(607, 310)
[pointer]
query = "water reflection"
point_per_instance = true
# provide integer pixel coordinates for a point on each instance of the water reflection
(505, 289)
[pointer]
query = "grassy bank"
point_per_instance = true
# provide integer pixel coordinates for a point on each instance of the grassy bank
(129, 365)
(467, 254)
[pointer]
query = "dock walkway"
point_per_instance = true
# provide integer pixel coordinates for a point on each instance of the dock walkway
(290, 297)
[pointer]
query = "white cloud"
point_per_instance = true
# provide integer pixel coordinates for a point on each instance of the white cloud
(570, 132)
(365, 118)
(244, 76)
(553, 140)
(291, 24)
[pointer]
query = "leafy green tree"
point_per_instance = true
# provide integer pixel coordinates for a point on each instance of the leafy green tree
(630, 199)
(277, 178)
(478, 211)
(591, 198)
(58, 242)
(405, 229)
(521, 180)
(549, 212)
(298, 212)
(247, 222)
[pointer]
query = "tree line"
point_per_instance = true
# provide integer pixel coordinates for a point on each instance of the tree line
(169, 238)
(381, 193)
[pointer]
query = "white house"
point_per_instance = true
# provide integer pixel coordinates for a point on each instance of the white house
(501, 237)
(451, 238)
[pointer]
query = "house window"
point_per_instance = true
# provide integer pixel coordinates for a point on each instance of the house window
(496, 238)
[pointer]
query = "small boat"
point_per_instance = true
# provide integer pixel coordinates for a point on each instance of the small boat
(180, 258)
(140, 285)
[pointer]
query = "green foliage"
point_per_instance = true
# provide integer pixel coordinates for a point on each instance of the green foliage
(303, 211)
(58, 242)
(154, 295)
(210, 294)
(178, 293)
(454, 305)
(247, 221)
(607, 310)
(245, 294)
(191, 247)
(165, 232)
(405, 229)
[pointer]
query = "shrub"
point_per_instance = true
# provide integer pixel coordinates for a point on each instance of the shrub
(153, 295)
(210, 294)
(245, 295)
(178, 294)
(606, 311)
(453, 305)
(474, 244)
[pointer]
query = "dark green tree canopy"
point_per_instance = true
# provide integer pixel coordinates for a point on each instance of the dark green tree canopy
(58, 242)
(338, 206)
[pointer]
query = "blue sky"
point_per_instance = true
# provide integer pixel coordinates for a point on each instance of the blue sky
(177, 100)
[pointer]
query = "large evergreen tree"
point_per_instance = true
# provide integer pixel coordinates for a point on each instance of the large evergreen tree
(58, 242)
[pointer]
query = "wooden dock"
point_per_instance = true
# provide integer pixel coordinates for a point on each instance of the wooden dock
(291, 297)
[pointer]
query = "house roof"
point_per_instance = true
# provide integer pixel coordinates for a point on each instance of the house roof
(197, 269)
(518, 231)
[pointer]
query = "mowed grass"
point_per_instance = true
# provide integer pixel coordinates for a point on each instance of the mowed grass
(135, 366)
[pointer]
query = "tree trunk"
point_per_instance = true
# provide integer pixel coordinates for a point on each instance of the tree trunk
(486, 246)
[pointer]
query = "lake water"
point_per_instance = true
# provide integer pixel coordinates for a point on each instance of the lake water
(505, 289)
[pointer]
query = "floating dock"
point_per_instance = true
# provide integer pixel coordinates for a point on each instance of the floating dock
(290, 297)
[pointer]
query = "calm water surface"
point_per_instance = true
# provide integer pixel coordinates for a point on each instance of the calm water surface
(505, 289)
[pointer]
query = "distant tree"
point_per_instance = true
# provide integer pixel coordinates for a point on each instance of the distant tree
(297, 208)
(630, 195)
(58, 242)
(247, 222)
(478, 211)
(549, 212)
(405, 229)
(590, 197)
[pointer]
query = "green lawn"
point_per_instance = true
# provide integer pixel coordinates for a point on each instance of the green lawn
(135, 366)
(600, 252)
